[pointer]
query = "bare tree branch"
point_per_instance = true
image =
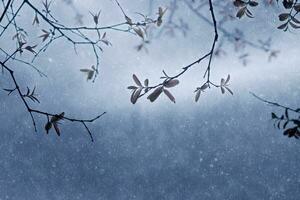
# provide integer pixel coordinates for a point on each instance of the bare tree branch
(160, 87)
(5, 10)
(274, 103)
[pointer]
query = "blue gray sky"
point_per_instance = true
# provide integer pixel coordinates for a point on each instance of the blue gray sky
(223, 147)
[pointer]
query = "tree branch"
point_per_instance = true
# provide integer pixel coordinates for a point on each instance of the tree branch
(186, 68)
(5, 10)
(274, 103)
(31, 111)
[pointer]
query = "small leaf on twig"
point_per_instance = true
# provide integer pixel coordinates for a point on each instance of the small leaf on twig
(96, 17)
(199, 90)
(136, 80)
(57, 118)
(54, 121)
(89, 72)
(224, 85)
(128, 20)
(169, 95)
(155, 94)
(35, 20)
(198, 93)
(139, 32)
(45, 35)
(146, 82)
(31, 48)
(48, 126)
(135, 95)
(241, 12)
(161, 13)
(171, 83)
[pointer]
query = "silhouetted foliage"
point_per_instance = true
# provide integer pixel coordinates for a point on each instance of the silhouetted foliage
(289, 121)
(164, 19)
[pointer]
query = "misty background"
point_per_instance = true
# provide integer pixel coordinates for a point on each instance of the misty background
(223, 147)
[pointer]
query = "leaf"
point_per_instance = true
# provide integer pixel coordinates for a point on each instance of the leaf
(294, 25)
(155, 94)
(204, 86)
(47, 4)
(296, 122)
(297, 7)
(274, 116)
(278, 125)
(135, 95)
(146, 82)
(241, 12)
(295, 20)
(89, 72)
(35, 20)
(222, 90)
(57, 118)
(286, 113)
(85, 70)
(139, 32)
(45, 35)
(90, 75)
(105, 42)
(132, 87)
(287, 3)
(283, 16)
(248, 13)
(171, 83)
(48, 126)
(55, 125)
(103, 36)
(31, 48)
(15, 36)
(222, 82)
(291, 132)
(128, 20)
(285, 124)
(96, 17)
(136, 80)
(229, 90)
(197, 95)
(227, 79)
(159, 21)
(161, 12)
(238, 3)
(283, 26)
(253, 3)
(168, 94)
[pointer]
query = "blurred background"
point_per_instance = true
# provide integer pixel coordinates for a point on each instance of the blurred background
(222, 147)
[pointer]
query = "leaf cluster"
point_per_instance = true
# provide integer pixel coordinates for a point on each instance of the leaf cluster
(158, 90)
(289, 17)
(243, 8)
(289, 125)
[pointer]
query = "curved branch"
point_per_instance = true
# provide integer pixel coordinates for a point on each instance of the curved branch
(186, 68)
(5, 10)
(274, 103)
(32, 111)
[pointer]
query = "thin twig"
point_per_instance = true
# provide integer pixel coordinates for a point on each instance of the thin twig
(274, 103)
(5, 10)
(31, 111)
(186, 68)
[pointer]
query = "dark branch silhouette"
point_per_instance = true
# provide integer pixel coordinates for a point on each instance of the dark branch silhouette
(171, 81)
(57, 31)
(287, 122)
(85, 36)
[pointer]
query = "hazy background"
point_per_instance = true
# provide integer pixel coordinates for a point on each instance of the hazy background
(223, 147)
